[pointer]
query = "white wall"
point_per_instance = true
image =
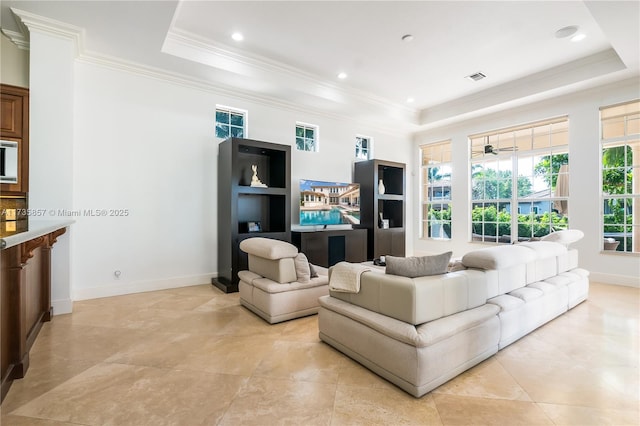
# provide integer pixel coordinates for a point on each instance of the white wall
(104, 139)
(14, 64)
(51, 147)
(147, 146)
(584, 187)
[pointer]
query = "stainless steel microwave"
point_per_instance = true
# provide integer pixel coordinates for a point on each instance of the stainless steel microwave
(8, 161)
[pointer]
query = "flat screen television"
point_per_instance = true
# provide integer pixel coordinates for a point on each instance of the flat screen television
(329, 203)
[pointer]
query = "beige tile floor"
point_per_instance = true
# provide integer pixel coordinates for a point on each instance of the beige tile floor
(194, 356)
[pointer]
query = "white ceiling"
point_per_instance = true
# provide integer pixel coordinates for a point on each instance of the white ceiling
(293, 50)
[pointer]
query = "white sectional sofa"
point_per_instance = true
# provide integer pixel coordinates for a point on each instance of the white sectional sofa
(420, 332)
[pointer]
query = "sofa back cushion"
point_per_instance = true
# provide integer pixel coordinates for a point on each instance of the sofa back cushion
(506, 267)
(418, 300)
(268, 248)
(279, 270)
(550, 258)
(422, 266)
(498, 257)
(565, 237)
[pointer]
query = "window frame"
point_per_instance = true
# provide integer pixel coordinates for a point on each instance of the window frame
(368, 149)
(231, 111)
(435, 228)
(631, 187)
(316, 136)
(542, 140)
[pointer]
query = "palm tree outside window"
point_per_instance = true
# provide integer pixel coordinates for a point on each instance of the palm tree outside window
(519, 181)
(436, 191)
(620, 144)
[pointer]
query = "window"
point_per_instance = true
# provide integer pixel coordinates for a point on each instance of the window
(230, 122)
(363, 147)
(306, 137)
(620, 139)
(520, 182)
(436, 190)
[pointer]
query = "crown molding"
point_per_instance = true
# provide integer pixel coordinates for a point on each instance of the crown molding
(389, 118)
(522, 90)
(203, 50)
(17, 38)
(29, 22)
(118, 64)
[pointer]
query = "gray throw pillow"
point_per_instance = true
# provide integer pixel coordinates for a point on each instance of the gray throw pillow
(314, 274)
(413, 267)
(302, 268)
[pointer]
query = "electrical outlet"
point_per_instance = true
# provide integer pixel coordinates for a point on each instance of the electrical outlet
(10, 214)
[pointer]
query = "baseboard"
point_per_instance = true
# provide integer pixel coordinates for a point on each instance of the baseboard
(140, 286)
(62, 306)
(623, 280)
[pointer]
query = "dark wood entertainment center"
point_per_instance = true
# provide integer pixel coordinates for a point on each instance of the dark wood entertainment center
(330, 246)
(388, 205)
(246, 211)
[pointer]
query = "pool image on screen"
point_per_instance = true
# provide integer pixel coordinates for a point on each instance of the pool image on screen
(329, 203)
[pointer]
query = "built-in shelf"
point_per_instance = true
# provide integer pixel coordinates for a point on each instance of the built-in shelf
(246, 211)
(379, 209)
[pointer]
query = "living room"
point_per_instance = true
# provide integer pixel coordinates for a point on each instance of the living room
(110, 133)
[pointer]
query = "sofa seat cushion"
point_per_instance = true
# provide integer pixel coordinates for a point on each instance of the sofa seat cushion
(270, 286)
(544, 287)
(248, 276)
(499, 257)
(558, 281)
(421, 336)
(527, 294)
(583, 273)
(268, 248)
(506, 302)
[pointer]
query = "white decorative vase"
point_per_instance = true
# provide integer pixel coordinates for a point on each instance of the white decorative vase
(380, 187)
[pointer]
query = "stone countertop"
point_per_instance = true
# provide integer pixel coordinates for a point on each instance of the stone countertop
(34, 228)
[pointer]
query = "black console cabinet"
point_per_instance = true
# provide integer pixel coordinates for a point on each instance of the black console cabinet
(246, 211)
(328, 247)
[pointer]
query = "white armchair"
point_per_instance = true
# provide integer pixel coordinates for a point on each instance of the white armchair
(280, 284)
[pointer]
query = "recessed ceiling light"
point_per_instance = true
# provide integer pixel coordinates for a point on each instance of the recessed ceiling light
(567, 31)
(237, 36)
(578, 37)
(342, 75)
(410, 100)
(407, 38)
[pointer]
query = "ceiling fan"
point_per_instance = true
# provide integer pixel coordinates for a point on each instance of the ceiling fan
(490, 149)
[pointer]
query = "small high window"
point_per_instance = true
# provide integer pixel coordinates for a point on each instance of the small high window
(230, 122)
(363, 147)
(306, 137)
